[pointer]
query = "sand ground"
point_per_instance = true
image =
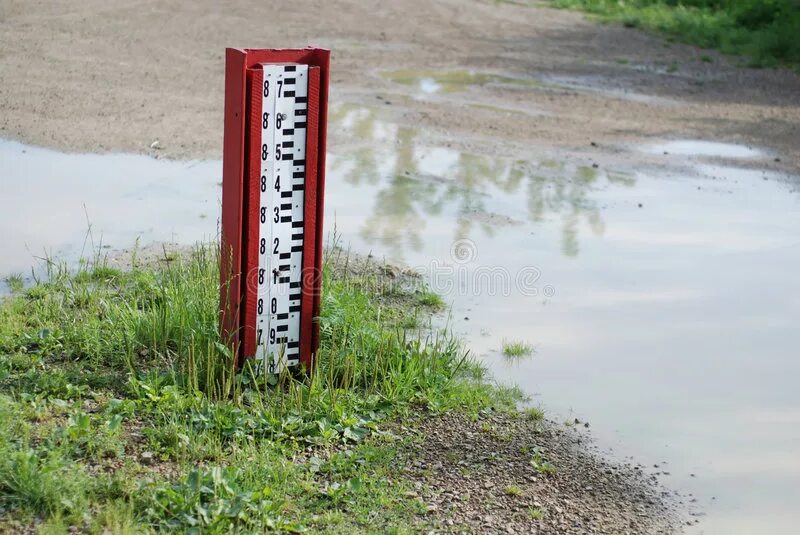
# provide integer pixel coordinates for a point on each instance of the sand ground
(115, 76)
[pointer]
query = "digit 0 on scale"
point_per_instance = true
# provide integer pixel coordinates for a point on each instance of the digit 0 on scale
(272, 192)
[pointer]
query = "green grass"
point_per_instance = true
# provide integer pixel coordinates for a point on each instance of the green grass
(540, 464)
(15, 282)
(535, 513)
(535, 414)
(121, 411)
(429, 299)
(517, 349)
(765, 31)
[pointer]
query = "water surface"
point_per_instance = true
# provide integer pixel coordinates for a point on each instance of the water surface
(699, 147)
(50, 200)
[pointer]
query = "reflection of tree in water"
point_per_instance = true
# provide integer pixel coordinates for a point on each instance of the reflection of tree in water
(467, 189)
(390, 156)
(360, 124)
(398, 217)
(569, 197)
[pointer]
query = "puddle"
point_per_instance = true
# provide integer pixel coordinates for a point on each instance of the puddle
(600, 85)
(695, 147)
(663, 314)
(430, 82)
(48, 195)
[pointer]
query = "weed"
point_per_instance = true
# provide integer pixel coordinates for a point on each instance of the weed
(535, 414)
(116, 517)
(84, 435)
(517, 349)
(535, 513)
(540, 464)
(211, 500)
(513, 490)
(15, 282)
(430, 299)
(98, 273)
(40, 482)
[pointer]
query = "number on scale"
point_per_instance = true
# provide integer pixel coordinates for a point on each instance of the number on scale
(281, 214)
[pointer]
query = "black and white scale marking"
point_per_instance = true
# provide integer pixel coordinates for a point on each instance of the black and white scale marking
(283, 172)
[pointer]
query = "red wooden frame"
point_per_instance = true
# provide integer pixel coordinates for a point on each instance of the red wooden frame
(240, 178)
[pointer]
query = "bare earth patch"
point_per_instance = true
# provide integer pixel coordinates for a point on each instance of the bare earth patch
(510, 474)
(118, 77)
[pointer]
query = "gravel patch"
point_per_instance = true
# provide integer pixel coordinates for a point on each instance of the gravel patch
(510, 474)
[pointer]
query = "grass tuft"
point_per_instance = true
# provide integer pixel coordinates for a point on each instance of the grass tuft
(540, 464)
(517, 349)
(535, 513)
(535, 414)
(430, 299)
(15, 282)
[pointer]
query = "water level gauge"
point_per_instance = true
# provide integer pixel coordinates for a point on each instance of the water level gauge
(273, 183)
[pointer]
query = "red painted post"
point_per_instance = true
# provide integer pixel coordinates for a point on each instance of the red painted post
(232, 189)
(243, 195)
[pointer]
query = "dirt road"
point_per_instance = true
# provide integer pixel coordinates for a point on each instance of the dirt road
(100, 76)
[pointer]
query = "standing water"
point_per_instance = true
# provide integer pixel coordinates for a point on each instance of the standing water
(660, 304)
(51, 200)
